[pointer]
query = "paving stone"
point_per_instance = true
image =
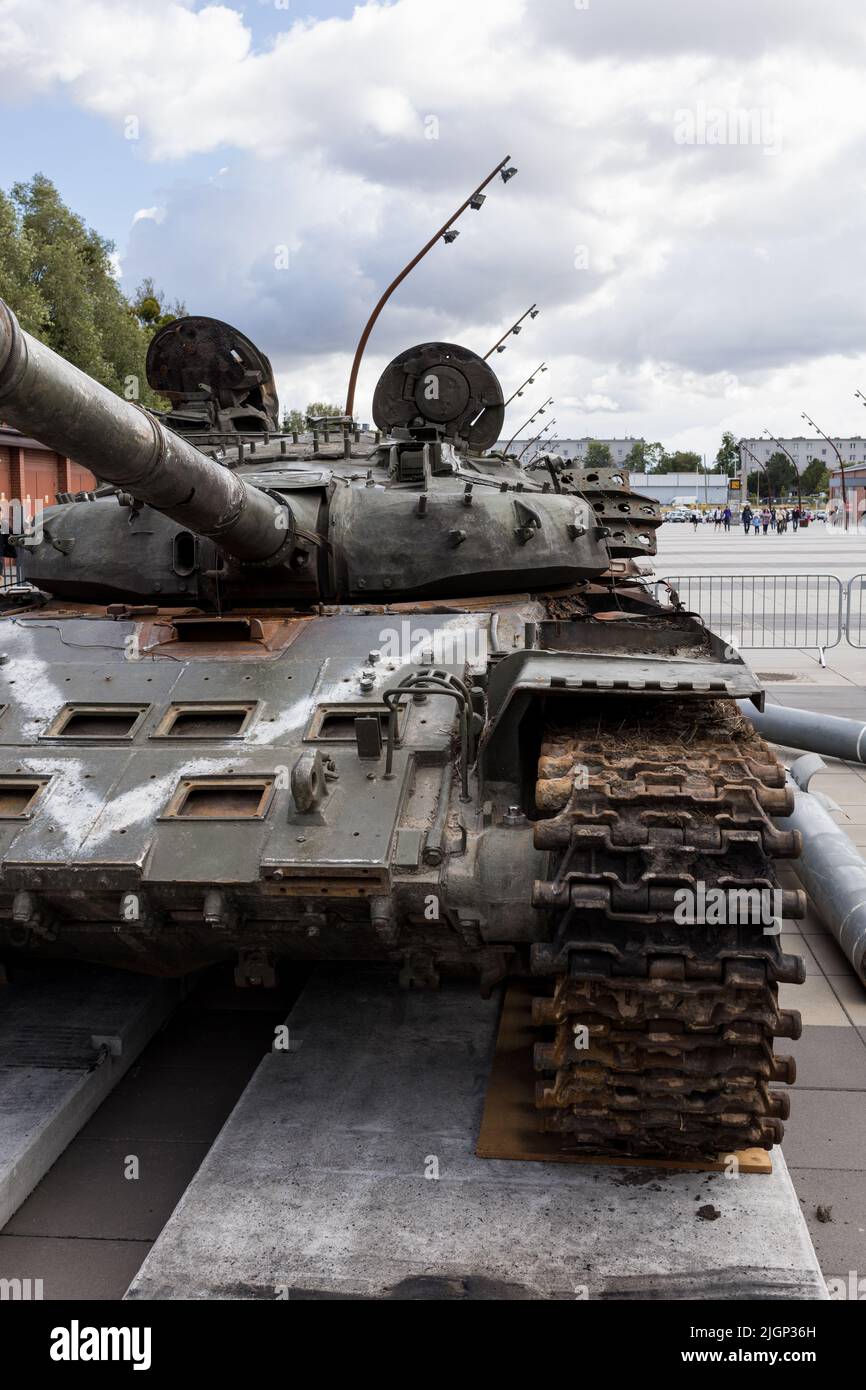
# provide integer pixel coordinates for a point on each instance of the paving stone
(811, 924)
(71, 1268)
(796, 945)
(826, 1130)
(86, 1193)
(153, 1106)
(840, 1243)
(830, 957)
(852, 995)
(828, 1059)
(815, 1001)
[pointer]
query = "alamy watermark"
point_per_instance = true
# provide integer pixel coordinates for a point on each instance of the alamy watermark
(446, 646)
(22, 519)
(717, 907)
(727, 125)
(851, 1288)
(21, 1290)
(846, 518)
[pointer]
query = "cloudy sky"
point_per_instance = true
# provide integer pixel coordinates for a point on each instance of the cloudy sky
(688, 215)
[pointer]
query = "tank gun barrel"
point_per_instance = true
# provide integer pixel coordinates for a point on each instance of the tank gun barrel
(122, 443)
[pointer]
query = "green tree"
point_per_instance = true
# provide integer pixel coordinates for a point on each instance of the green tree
(643, 457)
(728, 456)
(316, 409)
(782, 474)
(680, 461)
(597, 455)
(151, 309)
(293, 420)
(61, 276)
(815, 478)
(17, 282)
(298, 420)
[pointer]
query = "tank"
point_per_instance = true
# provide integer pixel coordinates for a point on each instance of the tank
(388, 695)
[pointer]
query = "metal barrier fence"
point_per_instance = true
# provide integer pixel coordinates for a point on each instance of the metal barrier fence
(9, 572)
(765, 610)
(855, 612)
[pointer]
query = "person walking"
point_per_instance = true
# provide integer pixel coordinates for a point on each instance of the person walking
(756, 523)
(695, 519)
(747, 518)
(765, 519)
(795, 518)
(773, 518)
(781, 522)
(726, 518)
(717, 520)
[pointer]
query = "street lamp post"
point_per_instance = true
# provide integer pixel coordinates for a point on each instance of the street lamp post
(499, 346)
(796, 469)
(528, 382)
(474, 201)
(742, 445)
(808, 418)
(536, 438)
(540, 411)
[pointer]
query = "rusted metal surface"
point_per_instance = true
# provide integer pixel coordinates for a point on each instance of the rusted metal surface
(215, 378)
(168, 637)
(679, 1018)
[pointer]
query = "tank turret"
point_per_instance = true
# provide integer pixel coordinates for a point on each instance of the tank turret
(423, 514)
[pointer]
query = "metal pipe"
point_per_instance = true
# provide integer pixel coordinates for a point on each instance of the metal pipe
(818, 733)
(44, 395)
(833, 872)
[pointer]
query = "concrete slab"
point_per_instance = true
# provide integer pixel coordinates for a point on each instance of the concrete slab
(347, 1169)
(52, 1078)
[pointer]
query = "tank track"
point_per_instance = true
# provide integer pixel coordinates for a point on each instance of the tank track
(658, 1035)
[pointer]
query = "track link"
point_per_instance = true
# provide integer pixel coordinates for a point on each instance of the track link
(664, 962)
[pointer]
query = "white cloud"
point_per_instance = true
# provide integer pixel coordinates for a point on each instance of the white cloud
(686, 286)
(155, 214)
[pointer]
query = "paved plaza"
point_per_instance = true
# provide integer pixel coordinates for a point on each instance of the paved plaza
(824, 1136)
